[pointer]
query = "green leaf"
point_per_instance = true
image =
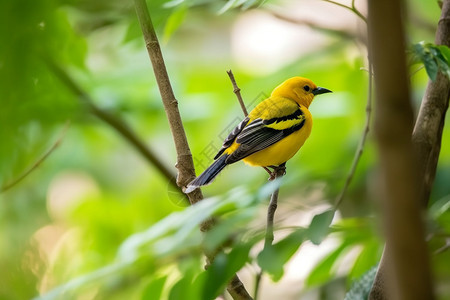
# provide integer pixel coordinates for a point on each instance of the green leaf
(154, 289)
(273, 258)
(431, 65)
(223, 268)
(369, 256)
(174, 21)
(320, 226)
(181, 289)
(226, 229)
(434, 58)
(323, 271)
(445, 51)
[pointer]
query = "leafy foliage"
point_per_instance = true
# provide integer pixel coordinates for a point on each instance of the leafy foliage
(434, 58)
(96, 220)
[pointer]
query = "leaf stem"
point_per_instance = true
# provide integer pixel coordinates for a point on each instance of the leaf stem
(37, 163)
(352, 8)
(362, 142)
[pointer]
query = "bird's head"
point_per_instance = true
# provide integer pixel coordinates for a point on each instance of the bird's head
(300, 89)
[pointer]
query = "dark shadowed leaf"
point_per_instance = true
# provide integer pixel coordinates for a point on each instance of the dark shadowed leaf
(273, 258)
(320, 226)
(223, 268)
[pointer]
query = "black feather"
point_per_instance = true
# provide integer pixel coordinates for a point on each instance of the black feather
(232, 136)
(208, 175)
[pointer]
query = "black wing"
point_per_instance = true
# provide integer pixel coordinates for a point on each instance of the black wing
(232, 136)
(258, 135)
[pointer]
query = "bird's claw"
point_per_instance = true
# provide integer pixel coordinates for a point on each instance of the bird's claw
(278, 171)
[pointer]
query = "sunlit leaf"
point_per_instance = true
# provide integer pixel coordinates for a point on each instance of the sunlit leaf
(324, 270)
(369, 256)
(174, 21)
(154, 288)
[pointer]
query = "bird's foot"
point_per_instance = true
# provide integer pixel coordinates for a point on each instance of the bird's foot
(278, 171)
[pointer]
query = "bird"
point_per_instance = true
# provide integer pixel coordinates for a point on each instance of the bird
(271, 133)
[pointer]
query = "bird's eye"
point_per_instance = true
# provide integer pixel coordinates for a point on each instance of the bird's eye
(306, 88)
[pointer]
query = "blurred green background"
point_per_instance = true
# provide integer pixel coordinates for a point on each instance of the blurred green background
(71, 214)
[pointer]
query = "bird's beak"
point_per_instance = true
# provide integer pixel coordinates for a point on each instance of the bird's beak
(320, 90)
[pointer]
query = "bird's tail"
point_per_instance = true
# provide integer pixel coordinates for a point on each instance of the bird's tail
(208, 175)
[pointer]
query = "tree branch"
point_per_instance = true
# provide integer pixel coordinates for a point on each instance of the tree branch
(341, 33)
(37, 163)
(430, 121)
(185, 164)
(278, 172)
(237, 91)
(426, 139)
(362, 142)
(398, 172)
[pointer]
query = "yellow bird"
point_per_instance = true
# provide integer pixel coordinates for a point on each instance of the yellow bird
(271, 133)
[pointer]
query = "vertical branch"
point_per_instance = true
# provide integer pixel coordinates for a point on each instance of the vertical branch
(278, 172)
(427, 133)
(398, 174)
(426, 139)
(185, 164)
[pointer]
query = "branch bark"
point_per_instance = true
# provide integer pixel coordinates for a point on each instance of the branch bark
(427, 133)
(185, 164)
(407, 271)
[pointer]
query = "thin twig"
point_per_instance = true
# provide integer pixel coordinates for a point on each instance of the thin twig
(237, 91)
(37, 163)
(443, 248)
(341, 33)
(278, 172)
(352, 8)
(362, 142)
